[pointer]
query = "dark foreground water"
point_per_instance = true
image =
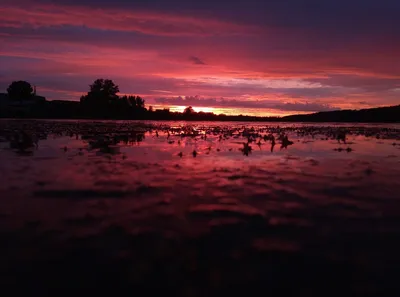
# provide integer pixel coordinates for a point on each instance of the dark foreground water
(114, 208)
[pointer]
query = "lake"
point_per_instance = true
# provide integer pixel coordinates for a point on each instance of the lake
(199, 208)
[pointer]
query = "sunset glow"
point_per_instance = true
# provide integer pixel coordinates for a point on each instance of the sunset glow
(256, 58)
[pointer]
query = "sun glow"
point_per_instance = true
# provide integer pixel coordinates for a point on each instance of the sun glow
(204, 109)
(226, 110)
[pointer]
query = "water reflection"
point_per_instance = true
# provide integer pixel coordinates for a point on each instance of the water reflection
(205, 207)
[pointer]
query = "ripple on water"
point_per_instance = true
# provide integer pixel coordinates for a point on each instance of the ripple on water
(80, 194)
(217, 210)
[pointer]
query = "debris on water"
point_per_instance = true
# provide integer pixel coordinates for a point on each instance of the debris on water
(286, 142)
(272, 145)
(341, 136)
(246, 150)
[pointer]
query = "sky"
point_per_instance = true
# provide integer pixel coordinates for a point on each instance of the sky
(256, 57)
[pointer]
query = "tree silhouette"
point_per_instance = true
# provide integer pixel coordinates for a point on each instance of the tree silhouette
(20, 90)
(139, 102)
(189, 110)
(105, 87)
(102, 91)
(135, 102)
(102, 101)
(132, 101)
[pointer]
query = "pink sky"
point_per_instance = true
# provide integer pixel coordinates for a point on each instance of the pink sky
(234, 61)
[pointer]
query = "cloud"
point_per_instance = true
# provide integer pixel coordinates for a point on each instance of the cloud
(147, 22)
(356, 16)
(196, 60)
(256, 104)
(264, 48)
(366, 83)
(294, 55)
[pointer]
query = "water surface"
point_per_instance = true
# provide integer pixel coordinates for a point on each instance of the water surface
(130, 206)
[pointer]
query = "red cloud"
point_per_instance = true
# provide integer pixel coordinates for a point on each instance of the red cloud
(153, 23)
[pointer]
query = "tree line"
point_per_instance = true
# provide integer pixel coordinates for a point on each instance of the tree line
(101, 92)
(103, 102)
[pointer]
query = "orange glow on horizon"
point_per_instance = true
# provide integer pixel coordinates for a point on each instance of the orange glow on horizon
(230, 111)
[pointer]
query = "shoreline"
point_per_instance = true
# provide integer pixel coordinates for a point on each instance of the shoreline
(197, 120)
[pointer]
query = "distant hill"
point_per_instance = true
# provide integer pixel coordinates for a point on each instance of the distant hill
(390, 114)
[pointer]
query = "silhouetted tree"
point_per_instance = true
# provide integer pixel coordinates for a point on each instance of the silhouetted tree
(132, 101)
(139, 102)
(135, 102)
(102, 91)
(189, 110)
(151, 109)
(102, 101)
(105, 88)
(20, 90)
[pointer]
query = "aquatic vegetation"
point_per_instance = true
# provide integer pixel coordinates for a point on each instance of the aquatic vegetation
(341, 136)
(246, 150)
(285, 142)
